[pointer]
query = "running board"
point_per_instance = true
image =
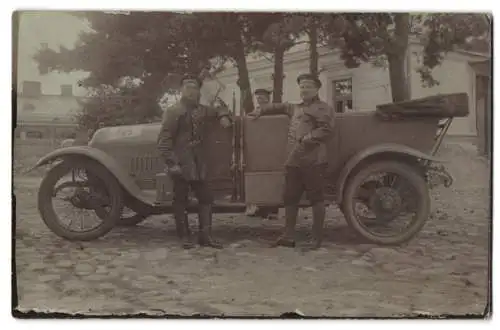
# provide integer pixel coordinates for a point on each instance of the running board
(219, 206)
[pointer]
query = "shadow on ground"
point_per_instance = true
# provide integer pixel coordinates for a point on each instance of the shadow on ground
(227, 234)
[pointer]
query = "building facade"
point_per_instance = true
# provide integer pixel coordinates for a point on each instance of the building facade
(42, 116)
(483, 105)
(362, 88)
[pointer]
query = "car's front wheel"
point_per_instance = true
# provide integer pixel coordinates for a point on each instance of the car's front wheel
(72, 194)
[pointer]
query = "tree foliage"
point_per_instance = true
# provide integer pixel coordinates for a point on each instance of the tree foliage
(369, 36)
(140, 56)
(445, 32)
(141, 46)
(233, 36)
(111, 106)
(281, 35)
(155, 48)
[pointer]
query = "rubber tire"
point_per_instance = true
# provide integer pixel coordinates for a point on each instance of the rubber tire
(411, 174)
(49, 216)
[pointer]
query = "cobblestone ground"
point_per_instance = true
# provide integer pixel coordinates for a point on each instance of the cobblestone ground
(444, 270)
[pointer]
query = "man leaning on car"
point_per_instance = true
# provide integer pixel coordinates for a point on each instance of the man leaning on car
(310, 128)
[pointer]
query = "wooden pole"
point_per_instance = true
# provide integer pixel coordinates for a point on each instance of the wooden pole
(234, 160)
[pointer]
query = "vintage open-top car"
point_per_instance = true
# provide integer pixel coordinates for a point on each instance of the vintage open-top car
(381, 166)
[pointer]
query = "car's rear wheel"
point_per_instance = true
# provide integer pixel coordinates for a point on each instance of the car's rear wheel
(393, 193)
(75, 192)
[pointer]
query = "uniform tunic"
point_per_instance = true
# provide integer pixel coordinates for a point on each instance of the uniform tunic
(310, 127)
(180, 141)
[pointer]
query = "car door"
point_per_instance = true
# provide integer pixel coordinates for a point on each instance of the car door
(219, 154)
(265, 142)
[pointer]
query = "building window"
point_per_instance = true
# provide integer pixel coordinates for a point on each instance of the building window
(32, 88)
(342, 95)
(65, 133)
(34, 135)
(28, 107)
(66, 90)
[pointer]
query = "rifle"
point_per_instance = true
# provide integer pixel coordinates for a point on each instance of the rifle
(235, 143)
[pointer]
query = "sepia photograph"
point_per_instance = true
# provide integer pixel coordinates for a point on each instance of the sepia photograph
(251, 164)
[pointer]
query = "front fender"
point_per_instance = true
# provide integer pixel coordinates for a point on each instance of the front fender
(389, 148)
(101, 157)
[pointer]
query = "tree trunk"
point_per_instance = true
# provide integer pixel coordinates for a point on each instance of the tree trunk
(246, 101)
(397, 58)
(279, 55)
(313, 48)
(397, 74)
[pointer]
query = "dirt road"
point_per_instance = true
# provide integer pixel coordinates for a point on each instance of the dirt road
(444, 270)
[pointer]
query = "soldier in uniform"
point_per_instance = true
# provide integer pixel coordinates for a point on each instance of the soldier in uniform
(263, 97)
(181, 146)
(310, 128)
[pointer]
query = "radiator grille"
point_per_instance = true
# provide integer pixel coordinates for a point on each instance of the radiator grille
(145, 164)
(144, 169)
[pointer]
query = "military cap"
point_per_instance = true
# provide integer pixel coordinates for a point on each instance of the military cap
(191, 78)
(262, 91)
(309, 76)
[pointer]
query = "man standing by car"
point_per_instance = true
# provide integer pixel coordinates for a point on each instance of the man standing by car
(181, 146)
(310, 128)
(263, 97)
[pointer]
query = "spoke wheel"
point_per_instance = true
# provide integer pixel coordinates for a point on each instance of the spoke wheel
(387, 202)
(71, 195)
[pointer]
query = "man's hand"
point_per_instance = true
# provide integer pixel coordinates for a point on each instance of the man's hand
(307, 138)
(255, 114)
(175, 170)
(225, 122)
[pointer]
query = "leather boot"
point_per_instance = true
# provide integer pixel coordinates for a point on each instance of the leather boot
(288, 238)
(205, 227)
(318, 211)
(182, 227)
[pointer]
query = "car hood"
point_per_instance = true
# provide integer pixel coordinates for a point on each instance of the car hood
(127, 134)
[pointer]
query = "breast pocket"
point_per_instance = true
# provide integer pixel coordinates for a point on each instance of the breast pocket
(308, 119)
(305, 124)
